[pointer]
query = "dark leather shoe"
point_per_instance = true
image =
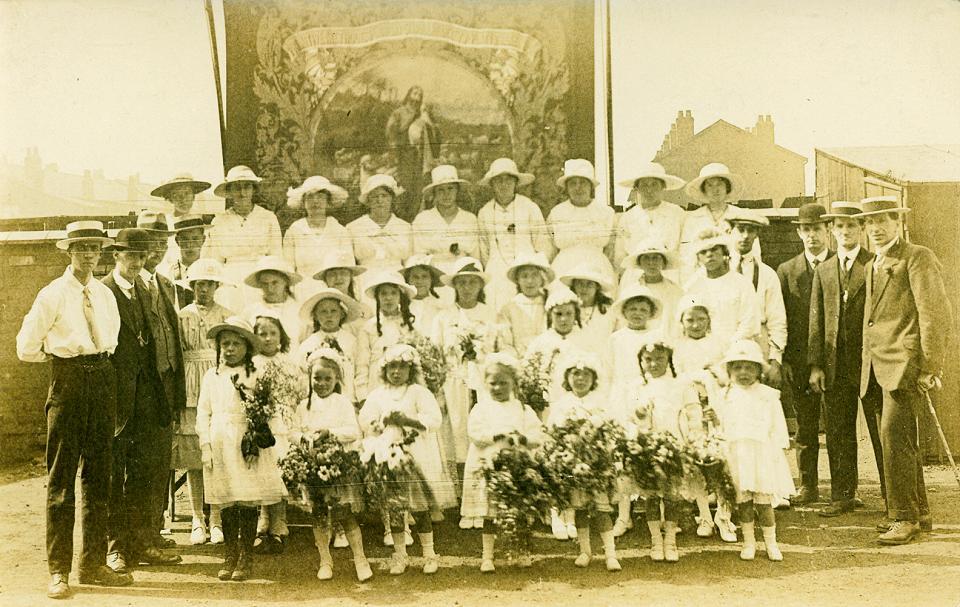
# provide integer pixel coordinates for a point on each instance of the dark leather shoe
(901, 532)
(105, 576)
(243, 570)
(164, 542)
(117, 562)
(858, 503)
(837, 509)
(59, 588)
(154, 556)
(226, 569)
(807, 495)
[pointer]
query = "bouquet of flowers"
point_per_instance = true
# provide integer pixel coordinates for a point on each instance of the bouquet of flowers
(707, 452)
(259, 406)
(470, 340)
(580, 458)
(517, 486)
(286, 386)
(389, 469)
(655, 461)
(320, 471)
(533, 381)
(433, 364)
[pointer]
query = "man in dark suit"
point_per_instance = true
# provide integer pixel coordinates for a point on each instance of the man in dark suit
(796, 279)
(835, 352)
(906, 323)
(142, 411)
(168, 354)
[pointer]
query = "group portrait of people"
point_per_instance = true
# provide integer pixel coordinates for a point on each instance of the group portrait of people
(656, 318)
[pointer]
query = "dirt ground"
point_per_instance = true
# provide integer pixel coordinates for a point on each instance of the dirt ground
(826, 562)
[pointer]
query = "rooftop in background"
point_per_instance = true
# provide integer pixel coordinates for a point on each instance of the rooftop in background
(904, 163)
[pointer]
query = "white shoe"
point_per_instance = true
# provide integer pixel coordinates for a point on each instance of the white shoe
(728, 531)
(613, 564)
(325, 572)
(409, 538)
(364, 572)
(704, 527)
(398, 565)
(486, 566)
(656, 552)
(559, 529)
(216, 534)
(571, 531)
(670, 553)
(199, 534)
(466, 523)
(431, 564)
(478, 522)
(388, 539)
(748, 552)
(583, 560)
(340, 540)
(620, 527)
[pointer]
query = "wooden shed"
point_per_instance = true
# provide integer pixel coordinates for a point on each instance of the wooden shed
(927, 179)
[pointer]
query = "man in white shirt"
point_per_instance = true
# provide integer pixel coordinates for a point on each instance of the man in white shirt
(773, 314)
(74, 323)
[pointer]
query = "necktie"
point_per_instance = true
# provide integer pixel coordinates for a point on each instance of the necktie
(740, 266)
(816, 262)
(91, 317)
(152, 287)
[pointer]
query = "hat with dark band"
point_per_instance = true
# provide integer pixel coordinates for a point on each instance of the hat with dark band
(135, 240)
(810, 214)
(84, 231)
(842, 208)
(163, 190)
(881, 204)
(190, 222)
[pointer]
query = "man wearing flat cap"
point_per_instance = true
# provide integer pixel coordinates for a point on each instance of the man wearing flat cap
(906, 323)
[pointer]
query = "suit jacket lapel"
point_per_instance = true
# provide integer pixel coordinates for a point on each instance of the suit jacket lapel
(123, 304)
(889, 260)
(857, 273)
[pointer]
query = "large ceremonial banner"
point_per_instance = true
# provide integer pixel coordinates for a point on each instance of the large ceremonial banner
(348, 88)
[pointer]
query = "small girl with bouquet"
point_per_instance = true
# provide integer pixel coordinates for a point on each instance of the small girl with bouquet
(238, 485)
(659, 402)
(326, 408)
(400, 403)
(581, 398)
(496, 421)
(752, 424)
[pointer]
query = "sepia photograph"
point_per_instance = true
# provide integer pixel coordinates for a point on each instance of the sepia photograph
(479, 302)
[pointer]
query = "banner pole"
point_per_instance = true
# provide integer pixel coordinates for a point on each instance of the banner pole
(215, 59)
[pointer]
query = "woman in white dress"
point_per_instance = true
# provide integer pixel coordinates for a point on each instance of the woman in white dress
(181, 192)
(240, 236)
(652, 217)
(510, 225)
(445, 232)
(582, 227)
(381, 240)
(309, 239)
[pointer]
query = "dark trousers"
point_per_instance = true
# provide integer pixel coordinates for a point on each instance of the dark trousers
(807, 409)
(902, 464)
(841, 413)
(137, 457)
(239, 529)
(164, 454)
(81, 408)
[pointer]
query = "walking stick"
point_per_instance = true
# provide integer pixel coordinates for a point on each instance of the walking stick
(936, 421)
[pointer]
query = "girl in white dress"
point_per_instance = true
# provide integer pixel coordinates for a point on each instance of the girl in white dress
(326, 408)
(275, 280)
(329, 313)
(582, 227)
(391, 321)
(309, 239)
(645, 265)
(637, 306)
(660, 402)
(751, 420)
(466, 333)
(497, 415)
(524, 316)
(597, 318)
(237, 487)
(581, 398)
(339, 270)
(204, 276)
(420, 273)
(402, 402)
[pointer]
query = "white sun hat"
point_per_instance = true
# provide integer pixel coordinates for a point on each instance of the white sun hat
(163, 190)
(272, 263)
(84, 231)
(350, 306)
(536, 260)
(316, 183)
(237, 174)
(506, 166)
(380, 180)
(715, 169)
(744, 350)
(577, 167)
(638, 290)
(388, 277)
(443, 174)
(653, 170)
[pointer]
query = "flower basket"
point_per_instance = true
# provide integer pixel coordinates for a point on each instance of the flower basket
(322, 474)
(581, 462)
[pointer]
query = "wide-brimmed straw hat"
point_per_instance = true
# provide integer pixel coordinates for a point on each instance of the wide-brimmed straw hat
(84, 231)
(190, 222)
(577, 167)
(506, 166)
(316, 183)
(744, 350)
(709, 238)
(205, 269)
(536, 260)
(136, 240)
(653, 170)
(239, 326)
(237, 174)
(443, 174)
(876, 205)
(155, 222)
(421, 261)
(380, 180)
(810, 214)
(559, 294)
(749, 217)
(650, 246)
(272, 263)
(715, 169)
(338, 259)
(638, 290)
(388, 277)
(587, 271)
(349, 305)
(843, 208)
(466, 266)
(163, 190)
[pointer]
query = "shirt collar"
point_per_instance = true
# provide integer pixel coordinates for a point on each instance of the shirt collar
(72, 279)
(844, 254)
(122, 282)
(882, 251)
(819, 258)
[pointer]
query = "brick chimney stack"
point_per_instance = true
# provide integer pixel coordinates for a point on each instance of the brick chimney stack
(681, 131)
(764, 129)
